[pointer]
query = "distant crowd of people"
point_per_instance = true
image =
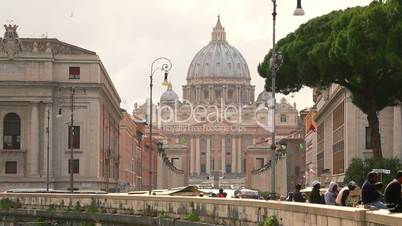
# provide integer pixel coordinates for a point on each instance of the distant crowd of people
(372, 193)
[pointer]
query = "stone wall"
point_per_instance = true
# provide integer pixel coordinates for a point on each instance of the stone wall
(262, 181)
(212, 210)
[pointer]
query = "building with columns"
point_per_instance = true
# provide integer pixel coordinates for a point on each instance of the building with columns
(209, 130)
(41, 81)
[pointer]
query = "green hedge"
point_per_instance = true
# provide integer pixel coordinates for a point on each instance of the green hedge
(358, 169)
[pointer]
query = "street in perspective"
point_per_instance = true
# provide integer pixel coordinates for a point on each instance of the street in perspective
(201, 113)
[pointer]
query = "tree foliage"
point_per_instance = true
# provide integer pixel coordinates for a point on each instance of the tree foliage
(358, 48)
(358, 169)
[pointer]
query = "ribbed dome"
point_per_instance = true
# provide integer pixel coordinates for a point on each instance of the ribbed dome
(218, 59)
(264, 97)
(169, 95)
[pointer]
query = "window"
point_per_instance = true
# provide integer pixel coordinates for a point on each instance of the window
(203, 168)
(369, 143)
(175, 161)
(76, 166)
(76, 137)
(338, 149)
(259, 163)
(283, 118)
(228, 168)
(11, 167)
(12, 131)
(74, 72)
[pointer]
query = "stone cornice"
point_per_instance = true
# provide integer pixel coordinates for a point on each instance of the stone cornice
(53, 84)
(338, 93)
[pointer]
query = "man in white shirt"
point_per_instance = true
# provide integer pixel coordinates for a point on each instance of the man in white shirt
(344, 193)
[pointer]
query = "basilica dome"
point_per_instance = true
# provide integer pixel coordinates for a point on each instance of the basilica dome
(218, 59)
(169, 96)
(264, 97)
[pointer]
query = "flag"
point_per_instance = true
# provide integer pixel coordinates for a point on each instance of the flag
(313, 126)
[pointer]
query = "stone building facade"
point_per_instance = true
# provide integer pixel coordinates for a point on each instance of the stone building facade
(41, 81)
(149, 159)
(132, 131)
(343, 134)
(209, 130)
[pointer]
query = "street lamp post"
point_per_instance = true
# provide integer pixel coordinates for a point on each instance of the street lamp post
(71, 141)
(275, 63)
(47, 150)
(166, 65)
(71, 133)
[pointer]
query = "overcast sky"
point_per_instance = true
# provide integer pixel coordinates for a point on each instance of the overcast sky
(128, 35)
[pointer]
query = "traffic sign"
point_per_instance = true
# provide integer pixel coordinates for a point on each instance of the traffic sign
(384, 171)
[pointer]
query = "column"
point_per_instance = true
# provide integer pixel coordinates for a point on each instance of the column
(234, 154)
(238, 94)
(248, 94)
(397, 134)
(208, 165)
(192, 156)
(235, 95)
(198, 98)
(213, 94)
(160, 171)
(195, 93)
(210, 91)
(225, 94)
(239, 158)
(197, 156)
(33, 150)
(223, 157)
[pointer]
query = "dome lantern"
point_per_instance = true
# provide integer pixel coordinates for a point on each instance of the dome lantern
(218, 33)
(218, 60)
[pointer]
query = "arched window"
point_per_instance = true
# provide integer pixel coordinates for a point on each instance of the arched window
(12, 131)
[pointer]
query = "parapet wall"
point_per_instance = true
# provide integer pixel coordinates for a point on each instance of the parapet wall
(210, 210)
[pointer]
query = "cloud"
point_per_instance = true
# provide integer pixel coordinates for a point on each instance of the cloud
(129, 34)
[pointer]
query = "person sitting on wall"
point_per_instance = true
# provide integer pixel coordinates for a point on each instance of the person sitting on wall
(393, 193)
(222, 194)
(344, 193)
(315, 196)
(330, 195)
(369, 193)
(380, 189)
(290, 197)
(297, 195)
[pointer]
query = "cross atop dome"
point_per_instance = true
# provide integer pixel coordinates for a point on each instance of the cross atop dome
(218, 33)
